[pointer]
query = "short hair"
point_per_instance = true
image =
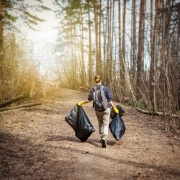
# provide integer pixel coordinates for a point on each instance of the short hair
(97, 78)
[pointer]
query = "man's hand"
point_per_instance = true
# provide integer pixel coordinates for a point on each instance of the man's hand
(116, 110)
(80, 103)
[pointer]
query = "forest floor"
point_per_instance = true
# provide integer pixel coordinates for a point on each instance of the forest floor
(37, 143)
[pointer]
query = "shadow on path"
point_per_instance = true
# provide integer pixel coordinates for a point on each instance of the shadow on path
(94, 142)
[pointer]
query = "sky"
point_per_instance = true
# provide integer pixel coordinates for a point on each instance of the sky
(46, 30)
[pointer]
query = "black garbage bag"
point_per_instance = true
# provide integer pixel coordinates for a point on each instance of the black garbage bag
(81, 124)
(71, 117)
(117, 127)
(84, 126)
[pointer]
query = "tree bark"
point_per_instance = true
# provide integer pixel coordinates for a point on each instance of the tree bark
(119, 29)
(99, 48)
(22, 106)
(83, 70)
(1, 27)
(110, 45)
(134, 44)
(96, 38)
(90, 47)
(154, 113)
(1, 41)
(107, 75)
(123, 54)
(86, 89)
(12, 101)
(155, 60)
(140, 59)
(119, 51)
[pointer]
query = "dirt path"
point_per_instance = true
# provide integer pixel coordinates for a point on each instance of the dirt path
(37, 143)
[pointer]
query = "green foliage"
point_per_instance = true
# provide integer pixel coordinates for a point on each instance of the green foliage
(20, 10)
(9, 16)
(141, 105)
(39, 1)
(130, 103)
(75, 4)
(89, 22)
(33, 16)
(7, 4)
(44, 8)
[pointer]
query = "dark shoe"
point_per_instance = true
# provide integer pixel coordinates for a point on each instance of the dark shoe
(104, 143)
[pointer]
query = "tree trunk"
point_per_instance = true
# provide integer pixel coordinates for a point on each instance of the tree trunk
(12, 101)
(99, 53)
(155, 113)
(134, 63)
(105, 45)
(1, 42)
(167, 88)
(113, 46)
(152, 55)
(96, 37)
(123, 54)
(153, 71)
(140, 59)
(119, 28)
(108, 45)
(21, 106)
(90, 47)
(73, 60)
(83, 82)
(1, 27)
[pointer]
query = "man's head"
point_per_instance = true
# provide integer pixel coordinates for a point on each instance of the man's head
(97, 79)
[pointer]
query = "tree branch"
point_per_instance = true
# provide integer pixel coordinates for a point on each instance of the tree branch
(154, 113)
(22, 106)
(84, 88)
(12, 101)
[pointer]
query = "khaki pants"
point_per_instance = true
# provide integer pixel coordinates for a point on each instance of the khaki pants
(103, 119)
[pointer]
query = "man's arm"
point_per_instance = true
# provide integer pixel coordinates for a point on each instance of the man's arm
(114, 107)
(83, 102)
(111, 104)
(88, 100)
